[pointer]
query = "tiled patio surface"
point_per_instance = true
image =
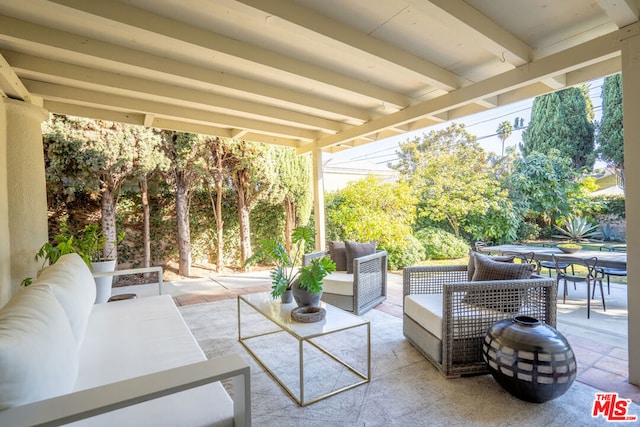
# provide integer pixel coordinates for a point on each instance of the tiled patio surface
(600, 365)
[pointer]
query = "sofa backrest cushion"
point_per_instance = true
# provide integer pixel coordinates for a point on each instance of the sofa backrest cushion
(471, 268)
(72, 283)
(338, 254)
(38, 352)
(356, 250)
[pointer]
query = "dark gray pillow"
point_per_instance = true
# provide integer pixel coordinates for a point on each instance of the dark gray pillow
(357, 250)
(338, 255)
(505, 300)
(471, 268)
(489, 269)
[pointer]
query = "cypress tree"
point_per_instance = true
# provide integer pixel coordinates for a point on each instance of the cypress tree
(610, 135)
(562, 120)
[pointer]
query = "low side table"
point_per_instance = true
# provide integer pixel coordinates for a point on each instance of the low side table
(278, 314)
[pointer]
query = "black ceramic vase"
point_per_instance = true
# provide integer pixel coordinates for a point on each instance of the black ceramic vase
(303, 297)
(530, 359)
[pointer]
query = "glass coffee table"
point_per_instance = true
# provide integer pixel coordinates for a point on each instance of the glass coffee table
(335, 352)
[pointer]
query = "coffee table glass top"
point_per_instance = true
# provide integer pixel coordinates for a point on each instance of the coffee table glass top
(335, 320)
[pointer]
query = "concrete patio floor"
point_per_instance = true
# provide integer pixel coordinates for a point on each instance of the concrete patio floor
(600, 342)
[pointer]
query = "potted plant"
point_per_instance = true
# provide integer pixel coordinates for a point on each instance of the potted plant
(569, 248)
(89, 244)
(285, 274)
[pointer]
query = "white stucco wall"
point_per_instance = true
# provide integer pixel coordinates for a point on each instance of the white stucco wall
(23, 195)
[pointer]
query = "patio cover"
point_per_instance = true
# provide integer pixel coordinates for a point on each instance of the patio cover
(314, 75)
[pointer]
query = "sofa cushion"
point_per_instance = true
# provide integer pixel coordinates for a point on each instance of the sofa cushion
(471, 268)
(147, 335)
(72, 283)
(356, 250)
(338, 254)
(38, 351)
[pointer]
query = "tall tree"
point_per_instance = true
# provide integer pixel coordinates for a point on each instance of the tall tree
(611, 132)
(292, 188)
(450, 173)
(95, 156)
(251, 169)
(562, 120)
(504, 132)
(543, 185)
(182, 149)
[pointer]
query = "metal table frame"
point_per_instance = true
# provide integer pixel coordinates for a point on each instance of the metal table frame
(304, 333)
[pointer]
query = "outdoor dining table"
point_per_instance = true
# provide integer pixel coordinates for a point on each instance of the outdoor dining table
(617, 260)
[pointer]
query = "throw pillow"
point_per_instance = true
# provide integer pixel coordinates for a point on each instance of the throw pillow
(471, 268)
(505, 300)
(488, 269)
(338, 254)
(38, 353)
(356, 250)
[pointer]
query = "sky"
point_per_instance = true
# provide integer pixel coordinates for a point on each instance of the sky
(483, 125)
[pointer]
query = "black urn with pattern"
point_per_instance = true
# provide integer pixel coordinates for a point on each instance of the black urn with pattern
(530, 359)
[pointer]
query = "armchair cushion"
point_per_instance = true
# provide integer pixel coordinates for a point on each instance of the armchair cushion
(357, 250)
(338, 254)
(471, 268)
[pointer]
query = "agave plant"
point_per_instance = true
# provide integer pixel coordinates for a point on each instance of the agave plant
(576, 229)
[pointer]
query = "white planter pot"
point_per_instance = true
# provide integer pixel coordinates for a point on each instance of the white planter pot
(103, 284)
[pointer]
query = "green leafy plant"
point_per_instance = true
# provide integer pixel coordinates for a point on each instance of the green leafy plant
(576, 229)
(285, 272)
(88, 243)
(311, 275)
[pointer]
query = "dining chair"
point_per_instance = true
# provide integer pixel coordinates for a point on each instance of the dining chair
(524, 257)
(591, 276)
(479, 245)
(550, 264)
(607, 271)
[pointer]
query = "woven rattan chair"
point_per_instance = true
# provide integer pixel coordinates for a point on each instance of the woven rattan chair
(452, 339)
(358, 292)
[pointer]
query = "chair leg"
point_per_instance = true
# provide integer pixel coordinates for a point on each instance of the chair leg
(589, 298)
(608, 285)
(604, 307)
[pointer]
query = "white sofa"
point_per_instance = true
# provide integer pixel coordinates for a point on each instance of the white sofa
(126, 363)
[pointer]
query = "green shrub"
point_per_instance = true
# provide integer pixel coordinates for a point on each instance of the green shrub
(439, 244)
(410, 252)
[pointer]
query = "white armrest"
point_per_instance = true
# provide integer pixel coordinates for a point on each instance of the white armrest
(129, 271)
(95, 401)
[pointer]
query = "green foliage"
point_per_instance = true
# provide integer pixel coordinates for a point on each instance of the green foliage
(504, 132)
(576, 229)
(614, 205)
(543, 185)
(409, 252)
(500, 224)
(562, 120)
(440, 244)
(370, 209)
(311, 275)
(284, 272)
(610, 131)
(449, 172)
(88, 243)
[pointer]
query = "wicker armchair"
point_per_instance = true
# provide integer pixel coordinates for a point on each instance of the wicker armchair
(449, 331)
(358, 292)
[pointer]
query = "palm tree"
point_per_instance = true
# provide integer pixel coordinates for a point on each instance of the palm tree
(504, 131)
